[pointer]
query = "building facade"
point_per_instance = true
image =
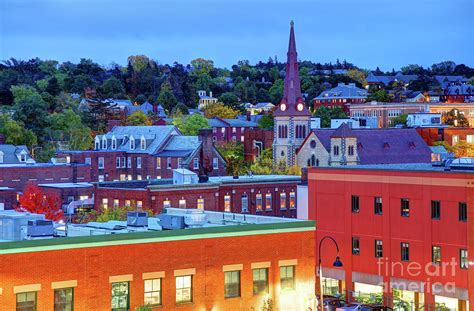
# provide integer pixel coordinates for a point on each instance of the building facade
(340, 96)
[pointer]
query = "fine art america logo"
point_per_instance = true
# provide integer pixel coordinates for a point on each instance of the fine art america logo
(408, 272)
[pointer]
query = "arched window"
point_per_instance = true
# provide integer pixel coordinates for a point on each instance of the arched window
(313, 160)
(142, 143)
(317, 162)
(309, 162)
(132, 143)
(104, 142)
(304, 131)
(97, 143)
(114, 143)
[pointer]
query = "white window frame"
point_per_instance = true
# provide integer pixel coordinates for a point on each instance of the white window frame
(101, 163)
(139, 162)
(196, 163)
(215, 163)
(142, 143)
(132, 143)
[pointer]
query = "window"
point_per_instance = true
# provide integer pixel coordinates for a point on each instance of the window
(405, 207)
(26, 301)
(287, 277)
(116, 203)
(104, 142)
(114, 143)
(435, 210)
(97, 144)
(336, 150)
(378, 249)
(123, 162)
(182, 203)
(88, 161)
(128, 203)
(105, 203)
(158, 162)
(132, 143)
(436, 255)
(405, 251)
(355, 204)
(245, 203)
(462, 207)
(64, 299)
(470, 139)
(101, 178)
(268, 201)
(231, 284)
(378, 206)
(139, 162)
(455, 139)
(184, 290)
(196, 163)
(227, 207)
(355, 246)
(260, 281)
(117, 162)
(215, 163)
(166, 203)
(129, 162)
(140, 204)
(180, 162)
(101, 162)
(463, 259)
(283, 201)
(350, 150)
(153, 292)
(200, 203)
(168, 163)
(292, 200)
(139, 177)
(142, 143)
(258, 202)
(120, 296)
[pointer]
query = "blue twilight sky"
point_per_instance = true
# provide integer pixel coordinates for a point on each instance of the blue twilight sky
(368, 33)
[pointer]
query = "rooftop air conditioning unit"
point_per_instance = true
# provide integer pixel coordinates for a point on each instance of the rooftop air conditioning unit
(40, 228)
(137, 219)
(172, 222)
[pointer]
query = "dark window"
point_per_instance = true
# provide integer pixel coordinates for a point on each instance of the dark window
(336, 150)
(405, 251)
(312, 144)
(120, 296)
(287, 277)
(378, 249)
(378, 205)
(435, 210)
(231, 284)
(463, 260)
(355, 204)
(26, 301)
(436, 255)
(64, 299)
(350, 150)
(260, 281)
(462, 211)
(355, 246)
(405, 207)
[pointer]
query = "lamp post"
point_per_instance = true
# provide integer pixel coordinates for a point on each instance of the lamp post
(337, 263)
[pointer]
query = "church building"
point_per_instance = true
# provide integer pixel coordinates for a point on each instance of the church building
(292, 117)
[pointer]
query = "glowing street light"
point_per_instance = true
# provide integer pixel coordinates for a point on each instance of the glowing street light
(337, 263)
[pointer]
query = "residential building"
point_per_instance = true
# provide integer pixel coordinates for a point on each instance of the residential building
(355, 123)
(346, 146)
(458, 93)
(228, 130)
(396, 225)
(341, 95)
(445, 81)
(11, 154)
(292, 118)
(423, 119)
(259, 108)
(383, 80)
(205, 100)
(192, 267)
(467, 109)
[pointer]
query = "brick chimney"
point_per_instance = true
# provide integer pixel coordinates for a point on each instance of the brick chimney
(112, 123)
(205, 157)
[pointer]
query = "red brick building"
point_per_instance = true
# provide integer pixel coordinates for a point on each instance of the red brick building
(236, 267)
(268, 195)
(255, 141)
(450, 135)
(228, 130)
(396, 225)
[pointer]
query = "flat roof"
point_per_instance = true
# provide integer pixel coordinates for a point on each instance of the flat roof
(67, 185)
(414, 167)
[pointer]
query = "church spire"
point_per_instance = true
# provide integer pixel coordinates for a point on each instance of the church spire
(292, 102)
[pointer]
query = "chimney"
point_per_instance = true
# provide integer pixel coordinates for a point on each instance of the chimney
(210, 93)
(248, 115)
(206, 155)
(304, 175)
(2, 139)
(112, 123)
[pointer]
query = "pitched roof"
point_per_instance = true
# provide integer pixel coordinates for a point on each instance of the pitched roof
(372, 78)
(11, 154)
(343, 131)
(343, 91)
(180, 146)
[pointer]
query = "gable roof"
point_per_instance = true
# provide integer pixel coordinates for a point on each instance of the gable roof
(11, 153)
(343, 91)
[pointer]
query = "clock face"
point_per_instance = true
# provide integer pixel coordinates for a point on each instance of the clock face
(300, 107)
(283, 107)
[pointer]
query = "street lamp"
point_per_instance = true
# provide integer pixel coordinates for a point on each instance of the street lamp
(337, 263)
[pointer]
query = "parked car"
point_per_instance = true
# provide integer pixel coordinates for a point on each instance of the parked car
(332, 303)
(364, 307)
(351, 306)
(376, 307)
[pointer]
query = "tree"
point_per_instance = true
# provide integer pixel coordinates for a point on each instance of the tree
(34, 200)
(112, 88)
(138, 118)
(202, 66)
(104, 214)
(190, 125)
(30, 108)
(233, 154)
(264, 165)
(454, 118)
(53, 86)
(276, 91)
(140, 99)
(219, 110)
(15, 133)
(401, 119)
(326, 114)
(463, 149)
(266, 122)
(229, 99)
(358, 76)
(67, 129)
(182, 108)
(379, 96)
(166, 97)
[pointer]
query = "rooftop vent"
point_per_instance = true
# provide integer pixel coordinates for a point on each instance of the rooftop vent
(195, 218)
(137, 219)
(172, 222)
(39, 228)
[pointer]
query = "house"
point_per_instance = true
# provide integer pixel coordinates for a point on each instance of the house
(445, 81)
(205, 100)
(11, 154)
(230, 129)
(341, 95)
(458, 93)
(259, 108)
(413, 96)
(346, 146)
(373, 79)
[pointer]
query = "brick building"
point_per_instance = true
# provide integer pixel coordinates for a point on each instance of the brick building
(227, 130)
(269, 195)
(255, 141)
(389, 219)
(450, 135)
(238, 266)
(340, 96)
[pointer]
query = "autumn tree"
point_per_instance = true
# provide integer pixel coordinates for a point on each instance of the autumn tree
(138, 118)
(34, 200)
(455, 118)
(220, 110)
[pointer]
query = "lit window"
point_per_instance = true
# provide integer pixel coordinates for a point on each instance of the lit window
(282, 200)
(120, 296)
(268, 201)
(258, 202)
(26, 301)
(260, 281)
(116, 203)
(455, 139)
(105, 203)
(227, 207)
(405, 207)
(139, 177)
(184, 290)
(436, 255)
(182, 203)
(63, 299)
(292, 200)
(287, 277)
(378, 248)
(463, 259)
(153, 292)
(166, 203)
(200, 203)
(128, 203)
(231, 284)
(158, 162)
(139, 204)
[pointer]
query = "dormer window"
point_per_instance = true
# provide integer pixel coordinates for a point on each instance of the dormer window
(97, 143)
(23, 156)
(132, 143)
(143, 143)
(114, 143)
(104, 142)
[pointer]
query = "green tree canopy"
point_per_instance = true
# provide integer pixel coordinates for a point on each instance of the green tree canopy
(166, 97)
(138, 118)
(190, 125)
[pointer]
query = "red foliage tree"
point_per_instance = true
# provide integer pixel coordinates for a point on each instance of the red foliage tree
(34, 200)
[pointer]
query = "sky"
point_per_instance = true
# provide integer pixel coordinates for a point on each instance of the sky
(368, 33)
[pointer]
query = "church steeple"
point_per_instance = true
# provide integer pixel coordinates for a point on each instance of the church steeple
(292, 103)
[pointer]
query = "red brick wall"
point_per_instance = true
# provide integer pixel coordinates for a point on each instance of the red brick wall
(264, 136)
(92, 267)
